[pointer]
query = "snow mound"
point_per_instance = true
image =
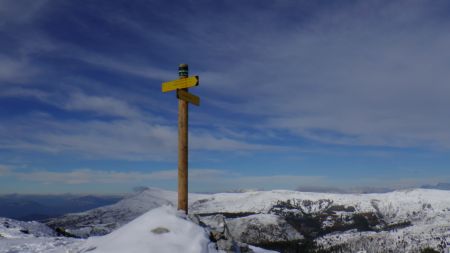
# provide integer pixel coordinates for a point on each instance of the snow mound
(160, 230)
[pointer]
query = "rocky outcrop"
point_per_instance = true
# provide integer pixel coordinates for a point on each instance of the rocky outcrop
(220, 234)
(262, 228)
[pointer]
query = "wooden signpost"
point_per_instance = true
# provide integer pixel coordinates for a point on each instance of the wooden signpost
(184, 97)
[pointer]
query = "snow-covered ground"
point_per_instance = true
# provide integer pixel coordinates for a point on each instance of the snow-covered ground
(405, 240)
(10, 228)
(160, 230)
(20, 237)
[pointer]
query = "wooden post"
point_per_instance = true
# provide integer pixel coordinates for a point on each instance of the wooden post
(183, 146)
(184, 97)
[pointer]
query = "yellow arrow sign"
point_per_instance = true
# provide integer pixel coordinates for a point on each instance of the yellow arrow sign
(188, 97)
(180, 84)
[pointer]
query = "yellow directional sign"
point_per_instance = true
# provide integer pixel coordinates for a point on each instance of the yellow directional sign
(180, 84)
(188, 97)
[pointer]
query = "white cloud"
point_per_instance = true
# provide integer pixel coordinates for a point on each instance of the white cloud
(88, 176)
(101, 105)
(206, 141)
(127, 139)
(366, 74)
(15, 70)
(24, 93)
(125, 65)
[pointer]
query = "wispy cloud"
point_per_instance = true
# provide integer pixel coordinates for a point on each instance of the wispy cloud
(19, 11)
(128, 138)
(368, 74)
(101, 105)
(88, 176)
(15, 70)
(125, 66)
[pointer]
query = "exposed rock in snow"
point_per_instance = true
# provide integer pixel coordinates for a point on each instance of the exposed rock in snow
(220, 233)
(262, 228)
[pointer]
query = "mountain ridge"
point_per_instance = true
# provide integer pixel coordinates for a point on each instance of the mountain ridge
(319, 219)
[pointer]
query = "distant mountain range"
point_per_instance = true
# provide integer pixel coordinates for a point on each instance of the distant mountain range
(439, 186)
(41, 207)
(367, 189)
(361, 190)
(28, 207)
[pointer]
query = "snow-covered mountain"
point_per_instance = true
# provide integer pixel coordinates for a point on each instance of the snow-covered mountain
(401, 221)
(291, 221)
(103, 220)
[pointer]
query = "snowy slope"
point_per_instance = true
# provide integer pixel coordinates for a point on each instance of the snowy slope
(103, 220)
(32, 236)
(10, 228)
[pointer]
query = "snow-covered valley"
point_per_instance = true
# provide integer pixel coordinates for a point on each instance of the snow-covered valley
(285, 221)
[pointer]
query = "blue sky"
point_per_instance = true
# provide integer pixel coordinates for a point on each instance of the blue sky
(294, 94)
